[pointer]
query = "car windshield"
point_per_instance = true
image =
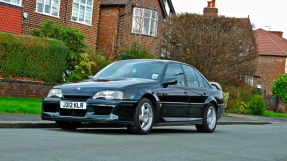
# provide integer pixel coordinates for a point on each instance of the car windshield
(131, 69)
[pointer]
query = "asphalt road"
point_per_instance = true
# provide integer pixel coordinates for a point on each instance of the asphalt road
(228, 142)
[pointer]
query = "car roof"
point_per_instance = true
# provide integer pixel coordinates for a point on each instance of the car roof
(157, 60)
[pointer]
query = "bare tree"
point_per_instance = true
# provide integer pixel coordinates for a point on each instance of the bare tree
(223, 49)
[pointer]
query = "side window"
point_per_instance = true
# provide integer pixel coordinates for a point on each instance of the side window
(199, 79)
(175, 71)
(190, 76)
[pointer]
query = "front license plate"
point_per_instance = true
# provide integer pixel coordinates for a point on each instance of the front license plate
(73, 105)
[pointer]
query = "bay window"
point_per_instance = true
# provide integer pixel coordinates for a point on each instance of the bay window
(145, 22)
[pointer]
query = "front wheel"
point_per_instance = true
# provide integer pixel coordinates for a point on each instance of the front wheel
(66, 125)
(143, 117)
(209, 120)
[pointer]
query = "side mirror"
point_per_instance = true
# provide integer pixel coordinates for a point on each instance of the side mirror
(90, 77)
(216, 85)
(168, 81)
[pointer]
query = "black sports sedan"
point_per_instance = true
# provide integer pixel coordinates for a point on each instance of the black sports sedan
(138, 94)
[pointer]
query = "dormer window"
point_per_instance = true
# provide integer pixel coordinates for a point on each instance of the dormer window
(145, 22)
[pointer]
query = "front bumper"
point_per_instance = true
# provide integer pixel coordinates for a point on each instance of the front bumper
(97, 111)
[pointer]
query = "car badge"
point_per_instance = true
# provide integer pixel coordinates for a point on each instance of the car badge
(79, 89)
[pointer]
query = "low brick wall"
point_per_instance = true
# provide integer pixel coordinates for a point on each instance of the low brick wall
(24, 89)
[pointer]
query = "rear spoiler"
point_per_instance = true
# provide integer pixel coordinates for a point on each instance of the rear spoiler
(216, 85)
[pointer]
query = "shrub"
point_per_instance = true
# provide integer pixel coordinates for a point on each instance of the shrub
(242, 107)
(27, 56)
(100, 61)
(135, 51)
(72, 37)
(238, 94)
(82, 70)
(279, 87)
(257, 105)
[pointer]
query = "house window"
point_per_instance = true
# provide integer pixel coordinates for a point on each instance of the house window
(49, 7)
(145, 22)
(249, 80)
(82, 11)
(286, 65)
(16, 2)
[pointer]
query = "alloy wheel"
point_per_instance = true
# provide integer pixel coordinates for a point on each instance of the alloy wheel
(211, 117)
(145, 116)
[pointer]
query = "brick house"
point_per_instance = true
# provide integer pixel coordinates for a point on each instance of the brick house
(123, 22)
(109, 24)
(272, 50)
(84, 16)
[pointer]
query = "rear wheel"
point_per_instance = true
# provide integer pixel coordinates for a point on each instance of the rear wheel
(143, 117)
(209, 120)
(66, 125)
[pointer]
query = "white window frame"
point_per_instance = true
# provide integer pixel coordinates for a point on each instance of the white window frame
(138, 20)
(286, 65)
(49, 14)
(249, 80)
(85, 5)
(12, 3)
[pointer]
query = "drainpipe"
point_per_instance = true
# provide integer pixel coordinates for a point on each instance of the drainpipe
(67, 13)
(116, 54)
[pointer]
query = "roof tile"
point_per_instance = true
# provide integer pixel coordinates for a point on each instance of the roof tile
(270, 44)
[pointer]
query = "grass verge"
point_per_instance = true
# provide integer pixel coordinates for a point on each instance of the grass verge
(266, 113)
(20, 105)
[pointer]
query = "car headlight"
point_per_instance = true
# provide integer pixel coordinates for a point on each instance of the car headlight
(55, 93)
(109, 95)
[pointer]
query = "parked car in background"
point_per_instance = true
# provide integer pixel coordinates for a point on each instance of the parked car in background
(138, 94)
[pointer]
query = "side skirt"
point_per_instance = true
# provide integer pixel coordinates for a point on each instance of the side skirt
(178, 121)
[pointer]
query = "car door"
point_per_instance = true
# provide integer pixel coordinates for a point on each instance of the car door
(176, 100)
(195, 90)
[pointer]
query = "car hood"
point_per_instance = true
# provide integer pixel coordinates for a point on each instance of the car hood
(90, 87)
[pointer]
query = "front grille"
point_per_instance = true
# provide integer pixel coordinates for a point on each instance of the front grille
(50, 107)
(70, 112)
(70, 97)
(102, 110)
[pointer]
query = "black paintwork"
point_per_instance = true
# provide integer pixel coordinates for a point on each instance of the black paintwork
(173, 104)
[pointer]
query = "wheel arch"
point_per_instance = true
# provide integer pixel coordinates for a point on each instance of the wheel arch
(211, 100)
(151, 98)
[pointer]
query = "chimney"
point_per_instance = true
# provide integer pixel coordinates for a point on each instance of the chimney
(209, 4)
(213, 3)
(210, 11)
(278, 33)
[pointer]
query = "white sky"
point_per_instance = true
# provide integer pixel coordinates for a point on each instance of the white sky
(262, 12)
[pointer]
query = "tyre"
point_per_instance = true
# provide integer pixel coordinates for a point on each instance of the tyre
(66, 125)
(143, 118)
(209, 120)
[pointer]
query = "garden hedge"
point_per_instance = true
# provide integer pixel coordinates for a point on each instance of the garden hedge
(27, 56)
